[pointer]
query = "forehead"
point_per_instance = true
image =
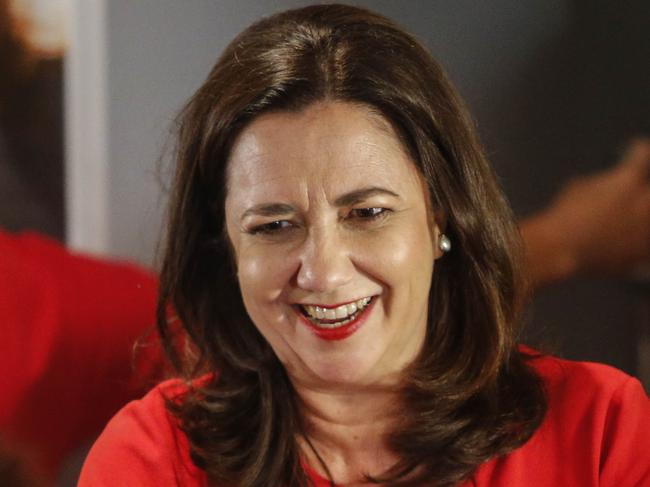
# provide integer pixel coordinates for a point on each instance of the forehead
(328, 147)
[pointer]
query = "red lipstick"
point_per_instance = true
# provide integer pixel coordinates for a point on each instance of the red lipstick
(340, 332)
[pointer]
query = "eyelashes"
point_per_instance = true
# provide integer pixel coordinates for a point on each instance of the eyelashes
(356, 216)
(372, 213)
(271, 227)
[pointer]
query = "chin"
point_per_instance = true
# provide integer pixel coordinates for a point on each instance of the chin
(347, 372)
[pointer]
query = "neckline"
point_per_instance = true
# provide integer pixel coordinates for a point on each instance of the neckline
(319, 480)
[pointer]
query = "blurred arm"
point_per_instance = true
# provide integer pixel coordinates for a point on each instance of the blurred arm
(68, 325)
(598, 224)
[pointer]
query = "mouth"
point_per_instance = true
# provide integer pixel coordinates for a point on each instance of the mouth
(335, 322)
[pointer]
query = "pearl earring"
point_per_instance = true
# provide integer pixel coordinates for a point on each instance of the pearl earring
(444, 244)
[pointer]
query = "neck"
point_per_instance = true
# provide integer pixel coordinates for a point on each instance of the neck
(348, 430)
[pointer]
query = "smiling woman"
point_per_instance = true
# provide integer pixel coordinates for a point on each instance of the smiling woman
(346, 274)
(340, 219)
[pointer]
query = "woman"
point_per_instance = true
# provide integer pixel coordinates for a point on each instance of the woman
(346, 272)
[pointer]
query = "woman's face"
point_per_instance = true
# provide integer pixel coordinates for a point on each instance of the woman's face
(334, 243)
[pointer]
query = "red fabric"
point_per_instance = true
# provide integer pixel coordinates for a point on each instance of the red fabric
(596, 433)
(67, 326)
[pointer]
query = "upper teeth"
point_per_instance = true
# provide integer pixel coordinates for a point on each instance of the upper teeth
(338, 313)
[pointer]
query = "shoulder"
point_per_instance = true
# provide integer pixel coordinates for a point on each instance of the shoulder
(572, 377)
(596, 430)
(585, 388)
(143, 445)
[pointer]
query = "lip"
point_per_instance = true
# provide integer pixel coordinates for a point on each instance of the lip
(342, 332)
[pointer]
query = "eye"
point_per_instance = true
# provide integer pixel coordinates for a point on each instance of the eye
(271, 228)
(368, 213)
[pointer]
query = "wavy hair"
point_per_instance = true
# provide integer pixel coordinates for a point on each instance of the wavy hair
(470, 395)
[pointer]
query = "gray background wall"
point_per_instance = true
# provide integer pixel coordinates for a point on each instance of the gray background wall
(556, 87)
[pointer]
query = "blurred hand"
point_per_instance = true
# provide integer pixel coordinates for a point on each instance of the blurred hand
(598, 224)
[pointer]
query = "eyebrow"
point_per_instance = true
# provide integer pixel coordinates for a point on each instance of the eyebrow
(348, 199)
(359, 195)
(268, 209)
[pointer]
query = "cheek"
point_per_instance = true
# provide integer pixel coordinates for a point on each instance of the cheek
(402, 260)
(263, 275)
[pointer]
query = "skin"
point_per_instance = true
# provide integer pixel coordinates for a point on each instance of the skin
(300, 219)
(596, 225)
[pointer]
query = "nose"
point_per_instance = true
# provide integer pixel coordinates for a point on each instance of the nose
(325, 261)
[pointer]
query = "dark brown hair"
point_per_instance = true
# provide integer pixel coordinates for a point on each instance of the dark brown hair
(469, 395)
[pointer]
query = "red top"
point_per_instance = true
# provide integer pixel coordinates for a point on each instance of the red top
(67, 326)
(596, 433)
